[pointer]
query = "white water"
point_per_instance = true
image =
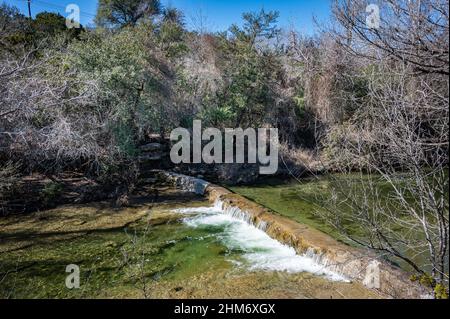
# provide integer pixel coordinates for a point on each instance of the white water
(259, 250)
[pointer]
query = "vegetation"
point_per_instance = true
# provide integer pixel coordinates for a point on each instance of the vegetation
(351, 99)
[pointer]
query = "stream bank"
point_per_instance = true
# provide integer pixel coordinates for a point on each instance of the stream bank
(104, 238)
(180, 246)
(356, 264)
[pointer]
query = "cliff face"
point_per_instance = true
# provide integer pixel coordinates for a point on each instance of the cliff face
(355, 264)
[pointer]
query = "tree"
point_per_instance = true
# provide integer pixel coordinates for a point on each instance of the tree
(131, 91)
(122, 13)
(413, 32)
(48, 25)
(173, 15)
(15, 28)
(18, 33)
(397, 138)
(257, 26)
(171, 33)
(253, 76)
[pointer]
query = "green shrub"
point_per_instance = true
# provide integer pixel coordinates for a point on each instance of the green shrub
(51, 191)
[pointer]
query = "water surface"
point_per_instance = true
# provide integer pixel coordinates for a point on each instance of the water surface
(181, 249)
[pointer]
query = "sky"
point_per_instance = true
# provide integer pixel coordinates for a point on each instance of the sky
(214, 15)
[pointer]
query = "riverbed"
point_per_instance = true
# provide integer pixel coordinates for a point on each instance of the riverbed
(182, 248)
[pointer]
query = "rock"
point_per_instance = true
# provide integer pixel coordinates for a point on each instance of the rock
(148, 181)
(237, 173)
(151, 157)
(123, 201)
(152, 147)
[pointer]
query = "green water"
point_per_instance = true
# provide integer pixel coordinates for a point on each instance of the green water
(303, 201)
(151, 252)
(148, 251)
(295, 199)
(112, 259)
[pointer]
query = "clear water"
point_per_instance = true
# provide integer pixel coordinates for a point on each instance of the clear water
(201, 252)
(258, 251)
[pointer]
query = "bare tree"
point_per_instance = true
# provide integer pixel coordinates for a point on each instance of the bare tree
(413, 32)
(36, 125)
(136, 257)
(392, 145)
(398, 137)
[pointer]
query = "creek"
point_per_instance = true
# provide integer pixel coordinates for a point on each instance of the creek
(182, 248)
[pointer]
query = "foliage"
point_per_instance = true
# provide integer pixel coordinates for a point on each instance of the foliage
(252, 71)
(90, 98)
(51, 191)
(14, 28)
(125, 13)
(395, 107)
(47, 25)
(19, 33)
(171, 33)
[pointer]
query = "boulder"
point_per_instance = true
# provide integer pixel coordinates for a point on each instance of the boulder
(151, 147)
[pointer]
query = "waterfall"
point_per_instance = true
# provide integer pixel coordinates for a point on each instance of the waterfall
(338, 262)
(237, 230)
(262, 225)
(281, 257)
(237, 213)
(319, 259)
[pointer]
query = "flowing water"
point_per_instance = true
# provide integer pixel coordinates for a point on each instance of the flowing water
(258, 250)
(301, 200)
(184, 248)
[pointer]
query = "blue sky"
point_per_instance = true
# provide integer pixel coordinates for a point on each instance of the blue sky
(217, 15)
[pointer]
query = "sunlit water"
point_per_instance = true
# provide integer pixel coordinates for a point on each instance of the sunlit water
(258, 250)
(187, 254)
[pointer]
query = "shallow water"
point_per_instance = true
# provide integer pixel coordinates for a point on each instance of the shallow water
(302, 199)
(183, 249)
(257, 249)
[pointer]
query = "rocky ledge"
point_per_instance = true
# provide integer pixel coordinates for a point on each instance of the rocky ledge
(355, 264)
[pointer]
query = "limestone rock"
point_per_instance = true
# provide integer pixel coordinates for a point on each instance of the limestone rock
(151, 147)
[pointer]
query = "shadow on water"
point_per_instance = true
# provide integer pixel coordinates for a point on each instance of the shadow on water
(108, 258)
(303, 200)
(120, 251)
